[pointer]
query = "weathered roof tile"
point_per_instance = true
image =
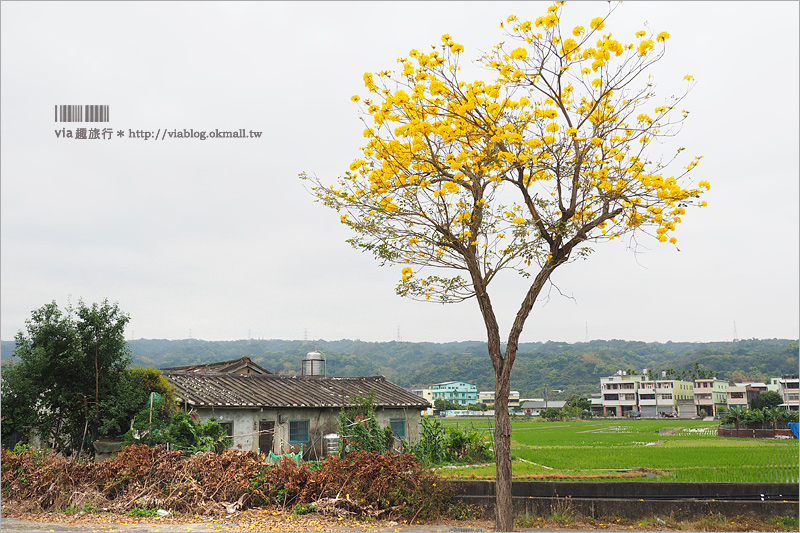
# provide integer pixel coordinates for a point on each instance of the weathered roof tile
(206, 389)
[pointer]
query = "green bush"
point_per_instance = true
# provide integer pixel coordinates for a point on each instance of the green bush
(183, 431)
(359, 430)
(437, 446)
(141, 511)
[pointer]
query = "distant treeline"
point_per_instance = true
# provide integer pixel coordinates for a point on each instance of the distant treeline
(574, 368)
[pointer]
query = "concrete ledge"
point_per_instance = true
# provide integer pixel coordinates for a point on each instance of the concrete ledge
(749, 433)
(636, 509)
(637, 499)
(634, 490)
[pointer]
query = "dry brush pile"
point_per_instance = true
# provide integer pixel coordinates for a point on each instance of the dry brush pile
(141, 477)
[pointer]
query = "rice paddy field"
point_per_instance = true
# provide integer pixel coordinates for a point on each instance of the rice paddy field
(637, 450)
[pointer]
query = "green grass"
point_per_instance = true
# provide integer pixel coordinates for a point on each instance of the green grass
(637, 449)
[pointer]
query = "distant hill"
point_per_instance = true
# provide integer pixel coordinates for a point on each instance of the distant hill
(575, 368)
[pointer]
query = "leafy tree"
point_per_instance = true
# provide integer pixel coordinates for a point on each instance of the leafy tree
(131, 403)
(520, 173)
(551, 414)
(734, 415)
(696, 372)
(754, 417)
(70, 364)
(768, 398)
(773, 416)
(447, 405)
(581, 402)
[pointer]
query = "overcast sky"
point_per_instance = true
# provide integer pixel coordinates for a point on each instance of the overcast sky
(219, 240)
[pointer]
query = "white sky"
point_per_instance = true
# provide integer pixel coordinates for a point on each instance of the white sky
(219, 240)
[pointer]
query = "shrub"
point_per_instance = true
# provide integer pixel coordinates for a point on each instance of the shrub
(437, 447)
(359, 430)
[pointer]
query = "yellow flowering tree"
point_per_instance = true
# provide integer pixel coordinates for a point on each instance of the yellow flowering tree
(520, 173)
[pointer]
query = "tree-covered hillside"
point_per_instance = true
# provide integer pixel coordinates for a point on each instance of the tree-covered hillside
(573, 368)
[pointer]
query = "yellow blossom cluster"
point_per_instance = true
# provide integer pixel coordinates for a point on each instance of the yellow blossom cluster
(553, 151)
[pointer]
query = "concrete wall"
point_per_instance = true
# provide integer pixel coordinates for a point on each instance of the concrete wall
(321, 422)
(246, 438)
(246, 427)
(748, 433)
(638, 499)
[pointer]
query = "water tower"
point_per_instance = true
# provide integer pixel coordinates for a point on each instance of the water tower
(314, 364)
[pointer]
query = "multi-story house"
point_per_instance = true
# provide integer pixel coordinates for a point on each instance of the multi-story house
(426, 394)
(666, 397)
(710, 395)
(789, 388)
(455, 391)
(620, 393)
(487, 397)
(743, 394)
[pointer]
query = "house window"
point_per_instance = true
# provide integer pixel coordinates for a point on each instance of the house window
(398, 427)
(299, 431)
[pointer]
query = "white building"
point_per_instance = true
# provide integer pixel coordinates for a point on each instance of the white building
(487, 397)
(620, 393)
(666, 397)
(426, 394)
(710, 395)
(788, 388)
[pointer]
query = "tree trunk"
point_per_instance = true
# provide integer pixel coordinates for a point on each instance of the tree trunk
(502, 364)
(504, 511)
(96, 420)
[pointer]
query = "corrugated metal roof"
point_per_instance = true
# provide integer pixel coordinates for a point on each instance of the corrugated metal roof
(216, 389)
(222, 366)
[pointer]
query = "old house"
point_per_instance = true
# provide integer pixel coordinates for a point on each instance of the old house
(269, 412)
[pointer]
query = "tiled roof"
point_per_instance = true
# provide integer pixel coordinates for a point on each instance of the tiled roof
(217, 389)
(221, 366)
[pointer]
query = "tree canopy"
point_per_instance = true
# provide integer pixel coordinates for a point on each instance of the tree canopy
(69, 385)
(481, 176)
(767, 398)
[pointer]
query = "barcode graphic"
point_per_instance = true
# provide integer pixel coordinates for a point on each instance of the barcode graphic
(81, 113)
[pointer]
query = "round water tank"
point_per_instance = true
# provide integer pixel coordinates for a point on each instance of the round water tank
(314, 364)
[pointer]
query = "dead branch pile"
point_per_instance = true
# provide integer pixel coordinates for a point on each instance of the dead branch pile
(215, 483)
